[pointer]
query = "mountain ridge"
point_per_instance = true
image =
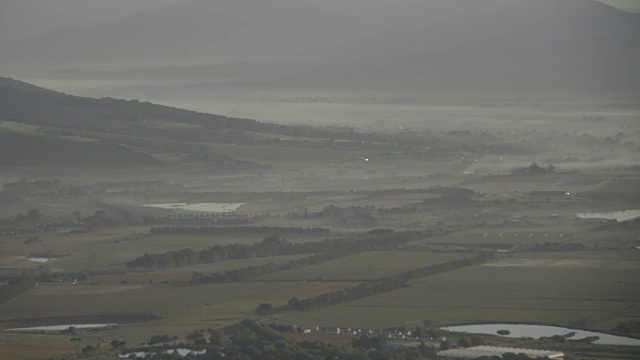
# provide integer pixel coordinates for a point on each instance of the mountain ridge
(572, 32)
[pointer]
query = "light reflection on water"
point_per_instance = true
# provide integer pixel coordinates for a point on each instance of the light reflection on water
(614, 215)
(538, 331)
(205, 207)
(61, 327)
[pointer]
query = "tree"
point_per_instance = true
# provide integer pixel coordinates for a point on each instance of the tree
(117, 344)
(536, 169)
(88, 350)
(76, 342)
(34, 216)
(264, 309)
(363, 342)
(99, 217)
(293, 302)
(159, 339)
(462, 342)
(476, 341)
(427, 351)
(445, 345)
(215, 336)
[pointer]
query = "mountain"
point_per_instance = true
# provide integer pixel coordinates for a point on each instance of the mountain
(40, 127)
(573, 45)
(195, 30)
(20, 20)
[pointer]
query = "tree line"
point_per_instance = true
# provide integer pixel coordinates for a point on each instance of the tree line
(239, 230)
(274, 246)
(16, 286)
(200, 219)
(269, 268)
(386, 284)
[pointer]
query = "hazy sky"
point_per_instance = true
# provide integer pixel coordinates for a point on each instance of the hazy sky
(20, 19)
(631, 5)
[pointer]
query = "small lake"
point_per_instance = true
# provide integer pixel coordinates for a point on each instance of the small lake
(40, 260)
(205, 207)
(538, 331)
(61, 327)
(614, 215)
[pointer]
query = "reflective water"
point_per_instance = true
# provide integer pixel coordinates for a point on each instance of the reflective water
(206, 207)
(614, 215)
(61, 327)
(538, 331)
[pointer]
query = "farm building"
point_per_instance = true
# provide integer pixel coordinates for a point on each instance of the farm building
(483, 350)
(550, 195)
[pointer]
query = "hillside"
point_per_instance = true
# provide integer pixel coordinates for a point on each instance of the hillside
(75, 130)
(195, 30)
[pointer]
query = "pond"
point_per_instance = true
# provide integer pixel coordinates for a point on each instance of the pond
(614, 215)
(205, 207)
(40, 260)
(538, 331)
(61, 327)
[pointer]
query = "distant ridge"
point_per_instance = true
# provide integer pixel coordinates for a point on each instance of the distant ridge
(40, 127)
(577, 45)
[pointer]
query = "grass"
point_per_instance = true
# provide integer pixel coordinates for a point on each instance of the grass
(366, 266)
(579, 295)
(33, 346)
(185, 304)
(184, 274)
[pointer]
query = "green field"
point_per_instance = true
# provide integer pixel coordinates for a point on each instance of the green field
(191, 306)
(453, 185)
(366, 266)
(529, 288)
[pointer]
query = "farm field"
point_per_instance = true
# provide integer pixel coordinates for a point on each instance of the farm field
(183, 274)
(582, 292)
(407, 215)
(366, 266)
(186, 305)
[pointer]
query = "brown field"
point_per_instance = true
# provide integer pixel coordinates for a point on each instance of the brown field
(34, 346)
(184, 308)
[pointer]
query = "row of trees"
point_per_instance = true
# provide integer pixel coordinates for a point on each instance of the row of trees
(267, 247)
(255, 271)
(357, 292)
(629, 327)
(26, 281)
(534, 169)
(389, 283)
(16, 287)
(199, 219)
(239, 230)
(273, 246)
(254, 341)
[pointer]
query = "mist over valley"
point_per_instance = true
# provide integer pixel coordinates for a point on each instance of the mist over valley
(289, 179)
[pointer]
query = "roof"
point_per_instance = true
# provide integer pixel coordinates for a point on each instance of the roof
(484, 350)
